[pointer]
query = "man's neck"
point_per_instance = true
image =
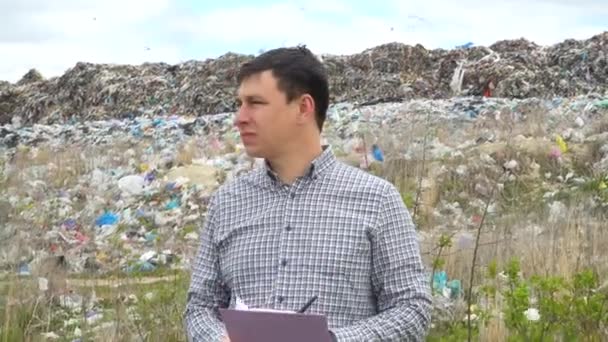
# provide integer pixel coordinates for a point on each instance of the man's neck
(292, 165)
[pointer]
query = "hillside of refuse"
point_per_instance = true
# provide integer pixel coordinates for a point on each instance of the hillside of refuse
(385, 73)
(111, 195)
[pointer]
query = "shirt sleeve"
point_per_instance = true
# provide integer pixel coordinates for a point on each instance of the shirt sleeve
(206, 293)
(399, 280)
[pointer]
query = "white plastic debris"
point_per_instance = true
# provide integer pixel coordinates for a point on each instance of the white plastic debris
(192, 236)
(532, 314)
(50, 336)
(557, 211)
(43, 284)
(511, 165)
(132, 185)
(147, 256)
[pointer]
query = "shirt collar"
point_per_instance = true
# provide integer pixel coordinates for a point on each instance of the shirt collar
(318, 166)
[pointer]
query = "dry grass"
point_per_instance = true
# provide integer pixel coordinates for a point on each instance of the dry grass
(127, 310)
(559, 248)
(62, 166)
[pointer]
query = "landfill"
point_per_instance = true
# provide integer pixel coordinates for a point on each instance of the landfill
(81, 190)
(109, 169)
(385, 73)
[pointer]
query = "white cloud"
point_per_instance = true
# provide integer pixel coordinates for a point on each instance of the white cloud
(290, 24)
(54, 38)
(53, 35)
(544, 22)
(432, 23)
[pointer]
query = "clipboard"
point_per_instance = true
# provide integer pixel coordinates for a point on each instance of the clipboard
(273, 326)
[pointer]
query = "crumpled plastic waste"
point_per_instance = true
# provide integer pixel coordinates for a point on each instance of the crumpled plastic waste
(107, 219)
(602, 104)
(449, 289)
(377, 153)
(132, 184)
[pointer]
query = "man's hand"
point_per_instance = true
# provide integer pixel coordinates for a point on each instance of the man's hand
(225, 339)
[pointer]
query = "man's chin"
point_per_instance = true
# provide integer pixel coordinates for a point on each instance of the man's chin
(253, 152)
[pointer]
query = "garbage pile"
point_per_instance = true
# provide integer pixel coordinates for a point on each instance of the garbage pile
(386, 73)
(129, 195)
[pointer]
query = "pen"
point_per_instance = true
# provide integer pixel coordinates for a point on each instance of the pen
(307, 305)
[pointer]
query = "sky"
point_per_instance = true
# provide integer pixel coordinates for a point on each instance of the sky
(53, 35)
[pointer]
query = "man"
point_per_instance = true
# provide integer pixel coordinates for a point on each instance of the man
(305, 224)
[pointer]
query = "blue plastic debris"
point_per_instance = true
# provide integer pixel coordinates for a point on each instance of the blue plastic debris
(150, 236)
(158, 122)
(440, 280)
(455, 288)
(137, 132)
(173, 204)
(472, 114)
(150, 176)
(170, 186)
(450, 289)
(465, 46)
(147, 267)
(140, 213)
(141, 266)
(24, 269)
(70, 224)
(107, 218)
(377, 153)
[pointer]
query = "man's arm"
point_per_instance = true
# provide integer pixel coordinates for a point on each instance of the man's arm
(206, 293)
(399, 280)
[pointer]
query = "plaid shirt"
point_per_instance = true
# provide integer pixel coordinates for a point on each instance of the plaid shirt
(337, 232)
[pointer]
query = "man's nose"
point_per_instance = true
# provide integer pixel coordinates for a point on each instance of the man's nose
(241, 116)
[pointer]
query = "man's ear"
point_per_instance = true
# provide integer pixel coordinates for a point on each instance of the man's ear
(306, 109)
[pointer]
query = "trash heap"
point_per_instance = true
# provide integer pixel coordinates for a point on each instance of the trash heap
(386, 73)
(129, 195)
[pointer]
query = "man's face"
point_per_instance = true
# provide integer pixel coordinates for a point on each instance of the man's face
(266, 122)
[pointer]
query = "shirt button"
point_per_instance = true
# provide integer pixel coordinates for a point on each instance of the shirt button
(293, 195)
(280, 299)
(284, 262)
(288, 228)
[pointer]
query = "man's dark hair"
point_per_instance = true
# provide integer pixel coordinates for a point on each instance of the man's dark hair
(298, 72)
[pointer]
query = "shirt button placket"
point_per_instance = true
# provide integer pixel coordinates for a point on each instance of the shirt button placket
(281, 294)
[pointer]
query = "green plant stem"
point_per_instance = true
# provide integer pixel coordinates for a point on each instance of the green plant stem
(420, 175)
(435, 268)
(470, 289)
(7, 312)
